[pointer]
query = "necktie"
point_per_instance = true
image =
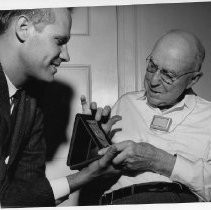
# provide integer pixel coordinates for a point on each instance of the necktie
(14, 101)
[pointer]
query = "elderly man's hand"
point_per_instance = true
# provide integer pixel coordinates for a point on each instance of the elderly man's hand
(102, 115)
(135, 158)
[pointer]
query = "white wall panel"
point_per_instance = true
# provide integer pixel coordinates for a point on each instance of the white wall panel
(80, 23)
(99, 50)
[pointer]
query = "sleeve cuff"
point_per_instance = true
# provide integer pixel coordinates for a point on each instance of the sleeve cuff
(60, 187)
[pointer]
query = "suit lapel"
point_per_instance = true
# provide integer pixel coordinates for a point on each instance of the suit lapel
(4, 97)
(22, 118)
(4, 109)
(20, 127)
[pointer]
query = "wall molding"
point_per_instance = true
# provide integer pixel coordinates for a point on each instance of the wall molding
(82, 16)
(81, 67)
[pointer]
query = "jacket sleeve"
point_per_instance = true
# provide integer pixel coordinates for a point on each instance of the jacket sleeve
(28, 185)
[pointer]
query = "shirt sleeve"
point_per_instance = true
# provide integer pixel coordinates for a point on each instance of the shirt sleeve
(194, 174)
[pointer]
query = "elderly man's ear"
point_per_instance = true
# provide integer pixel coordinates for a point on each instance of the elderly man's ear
(195, 78)
(22, 28)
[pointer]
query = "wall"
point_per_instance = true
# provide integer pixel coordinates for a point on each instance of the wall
(154, 20)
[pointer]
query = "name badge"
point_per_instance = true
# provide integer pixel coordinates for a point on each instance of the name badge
(161, 123)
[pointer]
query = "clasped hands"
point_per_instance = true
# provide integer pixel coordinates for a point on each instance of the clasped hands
(127, 157)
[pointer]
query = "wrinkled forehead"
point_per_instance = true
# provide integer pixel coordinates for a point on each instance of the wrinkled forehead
(174, 53)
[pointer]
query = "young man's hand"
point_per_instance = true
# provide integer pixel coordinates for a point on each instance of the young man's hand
(104, 166)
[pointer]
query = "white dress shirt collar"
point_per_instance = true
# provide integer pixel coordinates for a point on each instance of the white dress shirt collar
(188, 101)
(12, 89)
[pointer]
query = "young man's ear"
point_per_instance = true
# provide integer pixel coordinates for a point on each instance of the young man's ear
(22, 28)
(195, 78)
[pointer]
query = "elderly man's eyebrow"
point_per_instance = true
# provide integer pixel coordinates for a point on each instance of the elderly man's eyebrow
(170, 72)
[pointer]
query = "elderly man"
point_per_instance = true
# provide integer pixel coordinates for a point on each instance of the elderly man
(166, 156)
(33, 43)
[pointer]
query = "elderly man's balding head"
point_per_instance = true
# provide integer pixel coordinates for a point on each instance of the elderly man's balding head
(173, 67)
(183, 45)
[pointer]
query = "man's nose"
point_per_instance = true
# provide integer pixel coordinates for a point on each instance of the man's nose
(64, 55)
(155, 79)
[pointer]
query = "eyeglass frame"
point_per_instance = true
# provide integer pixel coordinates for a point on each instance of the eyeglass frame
(174, 79)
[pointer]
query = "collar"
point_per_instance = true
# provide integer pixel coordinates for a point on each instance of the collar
(11, 88)
(187, 101)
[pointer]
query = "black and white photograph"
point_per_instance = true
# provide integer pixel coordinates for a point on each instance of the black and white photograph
(105, 105)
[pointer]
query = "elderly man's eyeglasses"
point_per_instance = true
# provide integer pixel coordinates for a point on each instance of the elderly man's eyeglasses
(165, 75)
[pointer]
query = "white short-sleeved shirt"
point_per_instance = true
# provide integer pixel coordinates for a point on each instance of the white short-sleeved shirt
(189, 137)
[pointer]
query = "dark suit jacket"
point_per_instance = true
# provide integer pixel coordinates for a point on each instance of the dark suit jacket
(22, 181)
